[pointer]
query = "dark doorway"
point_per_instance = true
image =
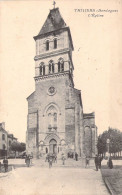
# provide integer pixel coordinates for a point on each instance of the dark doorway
(53, 146)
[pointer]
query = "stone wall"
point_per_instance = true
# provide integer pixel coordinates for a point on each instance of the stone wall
(62, 42)
(88, 141)
(74, 126)
(90, 135)
(70, 126)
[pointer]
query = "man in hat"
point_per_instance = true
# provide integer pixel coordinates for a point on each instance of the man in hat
(5, 164)
(96, 162)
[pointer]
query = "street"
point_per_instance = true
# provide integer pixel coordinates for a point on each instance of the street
(37, 180)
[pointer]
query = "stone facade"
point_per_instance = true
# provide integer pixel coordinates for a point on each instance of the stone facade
(6, 140)
(90, 134)
(56, 122)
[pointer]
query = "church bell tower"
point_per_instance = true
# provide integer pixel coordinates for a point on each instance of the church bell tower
(53, 49)
(55, 112)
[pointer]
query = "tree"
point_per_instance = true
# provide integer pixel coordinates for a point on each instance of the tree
(115, 137)
(22, 147)
(18, 147)
(14, 147)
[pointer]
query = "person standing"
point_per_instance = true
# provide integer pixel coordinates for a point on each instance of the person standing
(63, 159)
(50, 161)
(47, 158)
(0, 165)
(5, 164)
(110, 163)
(55, 158)
(96, 162)
(31, 157)
(76, 156)
(27, 160)
(99, 161)
(87, 161)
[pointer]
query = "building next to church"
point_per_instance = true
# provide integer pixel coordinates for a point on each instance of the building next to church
(56, 122)
(3, 140)
(6, 140)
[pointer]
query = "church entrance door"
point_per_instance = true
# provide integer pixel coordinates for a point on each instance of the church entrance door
(53, 146)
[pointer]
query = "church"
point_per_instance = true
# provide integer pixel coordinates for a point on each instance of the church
(56, 122)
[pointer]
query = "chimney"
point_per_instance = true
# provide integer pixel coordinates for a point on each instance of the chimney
(3, 125)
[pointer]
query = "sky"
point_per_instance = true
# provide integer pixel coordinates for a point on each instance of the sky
(96, 57)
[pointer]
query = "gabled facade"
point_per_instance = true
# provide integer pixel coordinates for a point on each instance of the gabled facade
(6, 139)
(56, 123)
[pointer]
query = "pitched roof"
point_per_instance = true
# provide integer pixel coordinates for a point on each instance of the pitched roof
(31, 95)
(10, 135)
(53, 22)
(3, 130)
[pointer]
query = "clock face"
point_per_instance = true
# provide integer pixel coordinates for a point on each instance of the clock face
(51, 90)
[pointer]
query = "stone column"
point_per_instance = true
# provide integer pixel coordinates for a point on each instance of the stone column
(56, 68)
(46, 70)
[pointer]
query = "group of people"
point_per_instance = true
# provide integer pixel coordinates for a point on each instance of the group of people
(72, 155)
(5, 164)
(51, 158)
(98, 159)
(28, 161)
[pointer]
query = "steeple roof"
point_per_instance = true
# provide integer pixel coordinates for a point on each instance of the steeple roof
(53, 22)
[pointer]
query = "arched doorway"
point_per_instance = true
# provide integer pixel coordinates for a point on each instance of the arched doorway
(53, 146)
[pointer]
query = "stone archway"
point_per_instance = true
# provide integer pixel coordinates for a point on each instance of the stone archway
(53, 146)
(52, 141)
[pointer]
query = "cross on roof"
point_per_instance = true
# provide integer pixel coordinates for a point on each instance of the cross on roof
(54, 4)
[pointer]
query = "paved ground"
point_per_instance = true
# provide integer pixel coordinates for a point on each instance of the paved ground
(40, 180)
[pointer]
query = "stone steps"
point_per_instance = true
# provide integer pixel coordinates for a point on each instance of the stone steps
(68, 163)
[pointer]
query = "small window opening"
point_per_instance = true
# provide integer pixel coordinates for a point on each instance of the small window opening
(55, 43)
(47, 45)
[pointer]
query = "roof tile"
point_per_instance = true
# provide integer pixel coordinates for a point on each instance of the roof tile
(53, 22)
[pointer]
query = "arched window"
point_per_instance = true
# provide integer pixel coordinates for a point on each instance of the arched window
(3, 136)
(52, 118)
(47, 45)
(42, 68)
(60, 65)
(55, 43)
(9, 142)
(51, 66)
